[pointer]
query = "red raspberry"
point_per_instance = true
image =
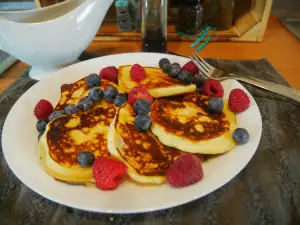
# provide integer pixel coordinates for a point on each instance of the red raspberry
(138, 92)
(185, 170)
(108, 173)
(190, 67)
(238, 100)
(213, 87)
(137, 73)
(109, 73)
(43, 110)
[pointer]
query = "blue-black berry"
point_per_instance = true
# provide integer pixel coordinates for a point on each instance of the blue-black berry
(142, 122)
(41, 125)
(215, 105)
(110, 93)
(198, 80)
(174, 70)
(95, 94)
(93, 80)
(86, 159)
(120, 99)
(85, 104)
(55, 114)
(71, 109)
(240, 136)
(142, 106)
(185, 77)
(165, 65)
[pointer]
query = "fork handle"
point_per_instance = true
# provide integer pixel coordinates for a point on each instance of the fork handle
(276, 88)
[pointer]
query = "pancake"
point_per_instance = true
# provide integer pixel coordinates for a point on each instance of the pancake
(158, 83)
(146, 157)
(72, 93)
(66, 136)
(183, 122)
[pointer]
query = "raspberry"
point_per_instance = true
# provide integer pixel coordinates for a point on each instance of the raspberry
(213, 87)
(108, 173)
(109, 73)
(137, 73)
(138, 92)
(184, 171)
(238, 100)
(190, 67)
(43, 109)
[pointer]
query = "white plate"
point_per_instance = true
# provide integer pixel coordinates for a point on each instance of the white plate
(20, 148)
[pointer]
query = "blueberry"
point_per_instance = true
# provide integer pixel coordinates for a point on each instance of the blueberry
(142, 106)
(198, 80)
(120, 99)
(86, 159)
(85, 104)
(240, 136)
(142, 122)
(41, 125)
(93, 80)
(71, 109)
(55, 114)
(185, 77)
(215, 105)
(174, 70)
(164, 64)
(95, 94)
(110, 93)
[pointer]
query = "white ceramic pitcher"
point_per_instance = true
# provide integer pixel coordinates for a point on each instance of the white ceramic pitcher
(52, 37)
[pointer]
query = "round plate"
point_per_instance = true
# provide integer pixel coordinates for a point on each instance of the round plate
(20, 148)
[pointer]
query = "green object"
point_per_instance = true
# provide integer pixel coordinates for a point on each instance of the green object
(200, 37)
(121, 3)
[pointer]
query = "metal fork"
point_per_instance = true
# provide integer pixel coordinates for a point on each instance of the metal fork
(219, 74)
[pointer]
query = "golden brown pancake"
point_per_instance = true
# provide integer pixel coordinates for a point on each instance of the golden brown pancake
(184, 122)
(158, 83)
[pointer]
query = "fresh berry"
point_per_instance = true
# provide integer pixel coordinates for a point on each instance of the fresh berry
(198, 80)
(95, 94)
(40, 135)
(142, 106)
(85, 104)
(175, 69)
(108, 173)
(109, 73)
(41, 125)
(93, 80)
(120, 99)
(215, 105)
(164, 64)
(240, 136)
(137, 73)
(138, 93)
(55, 114)
(238, 100)
(43, 109)
(86, 159)
(184, 171)
(185, 77)
(71, 109)
(213, 87)
(190, 67)
(142, 122)
(110, 93)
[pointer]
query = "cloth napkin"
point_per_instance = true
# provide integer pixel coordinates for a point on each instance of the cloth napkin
(266, 191)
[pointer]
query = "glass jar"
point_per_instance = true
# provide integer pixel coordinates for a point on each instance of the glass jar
(190, 16)
(154, 26)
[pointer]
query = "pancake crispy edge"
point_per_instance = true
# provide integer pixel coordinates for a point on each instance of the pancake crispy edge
(156, 82)
(217, 145)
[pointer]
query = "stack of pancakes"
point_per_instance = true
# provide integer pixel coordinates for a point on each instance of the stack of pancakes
(180, 124)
